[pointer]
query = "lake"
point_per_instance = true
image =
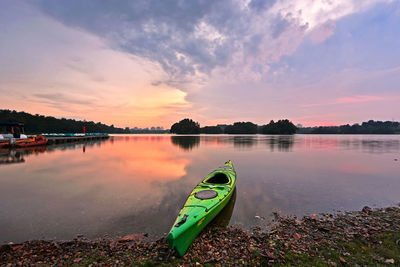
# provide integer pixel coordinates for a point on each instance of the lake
(138, 183)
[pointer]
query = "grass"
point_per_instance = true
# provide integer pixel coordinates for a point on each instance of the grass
(377, 250)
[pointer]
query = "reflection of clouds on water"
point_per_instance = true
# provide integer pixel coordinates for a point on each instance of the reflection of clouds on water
(71, 192)
(285, 143)
(138, 183)
(366, 143)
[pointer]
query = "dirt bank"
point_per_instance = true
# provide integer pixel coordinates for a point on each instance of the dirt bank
(367, 237)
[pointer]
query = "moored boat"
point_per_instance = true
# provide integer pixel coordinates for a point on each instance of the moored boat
(207, 199)
(39, 140)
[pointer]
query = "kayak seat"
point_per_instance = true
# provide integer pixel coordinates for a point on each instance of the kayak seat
(218, 178)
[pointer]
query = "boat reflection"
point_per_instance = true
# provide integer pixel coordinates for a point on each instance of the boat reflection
(10, 156)
(224, 217)
(19, 155)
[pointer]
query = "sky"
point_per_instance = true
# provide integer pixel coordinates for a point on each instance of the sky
(151, 63)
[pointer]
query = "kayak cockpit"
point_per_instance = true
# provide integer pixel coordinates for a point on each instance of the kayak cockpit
(218, 178)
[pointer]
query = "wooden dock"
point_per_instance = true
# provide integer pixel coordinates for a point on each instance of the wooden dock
(73, 139)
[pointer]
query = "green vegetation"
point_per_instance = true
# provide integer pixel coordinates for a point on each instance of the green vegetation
(36, 124)
(211, 130)
(186, 126)
(370, 127)
(383, 248)
(242, 128)
(279, 127)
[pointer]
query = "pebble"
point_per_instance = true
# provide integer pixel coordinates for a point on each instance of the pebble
(218, 246)
(390, 261)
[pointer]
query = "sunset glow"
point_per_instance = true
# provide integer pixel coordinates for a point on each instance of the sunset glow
(312, 62)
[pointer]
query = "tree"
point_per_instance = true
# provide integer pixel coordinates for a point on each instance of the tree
(35, 124)
(241, 128)
(211, 130)
(369, 127)
(279, 127)
(186, 126)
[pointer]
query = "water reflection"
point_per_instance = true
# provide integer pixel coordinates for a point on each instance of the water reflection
(283, 143)
(17, 155)
(243, 141)
(224, 217)
(11, 156)
(374, 144)
(186, 142)
(138, 183)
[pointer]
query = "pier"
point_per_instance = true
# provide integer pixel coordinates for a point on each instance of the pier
(72, 139)
(50, 140)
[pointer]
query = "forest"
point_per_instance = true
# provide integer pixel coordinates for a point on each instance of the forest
(36, 124)
(188, 126)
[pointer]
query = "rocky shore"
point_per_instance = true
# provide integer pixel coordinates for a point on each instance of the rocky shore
(367, 237)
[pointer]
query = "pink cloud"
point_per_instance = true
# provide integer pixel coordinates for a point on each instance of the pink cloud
(358, 99)
(323, 32)
(347, 100)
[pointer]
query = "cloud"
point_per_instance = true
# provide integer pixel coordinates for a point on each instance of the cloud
(194, 38)
(323, 32)
(137, 62)
(348, 100)
(358, 99)
(50, 68)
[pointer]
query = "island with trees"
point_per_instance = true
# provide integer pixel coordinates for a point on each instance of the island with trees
(285, 127)
(185, 126)
(188, 126)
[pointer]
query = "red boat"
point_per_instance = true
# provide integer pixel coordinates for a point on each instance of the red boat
(4, 143)
(39, 140)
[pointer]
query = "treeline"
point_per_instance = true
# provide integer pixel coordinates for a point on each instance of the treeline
(35, 124)
(152, 130)
(188, 126)
(369, 127)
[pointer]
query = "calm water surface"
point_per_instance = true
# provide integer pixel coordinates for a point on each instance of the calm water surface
(138, 183)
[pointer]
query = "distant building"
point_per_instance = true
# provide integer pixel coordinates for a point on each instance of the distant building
(153, 129)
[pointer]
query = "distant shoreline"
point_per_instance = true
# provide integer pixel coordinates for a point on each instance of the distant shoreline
(38, 124)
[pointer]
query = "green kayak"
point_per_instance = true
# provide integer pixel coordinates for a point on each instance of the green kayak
(207, 199)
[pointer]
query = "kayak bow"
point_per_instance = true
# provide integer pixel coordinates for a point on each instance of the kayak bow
(207, 199)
